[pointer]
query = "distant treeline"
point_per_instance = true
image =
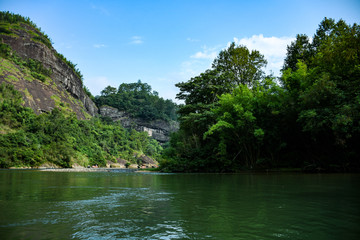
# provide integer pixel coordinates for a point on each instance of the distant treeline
(237, 118)
(139, 101)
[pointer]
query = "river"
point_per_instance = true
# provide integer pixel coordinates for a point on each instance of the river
(130, 205)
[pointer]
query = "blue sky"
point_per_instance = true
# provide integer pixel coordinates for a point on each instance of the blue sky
(166, 42)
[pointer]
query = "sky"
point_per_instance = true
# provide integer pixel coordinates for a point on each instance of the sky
(166, 42)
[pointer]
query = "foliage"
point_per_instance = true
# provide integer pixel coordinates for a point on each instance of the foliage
(325, 91)
(37, 70)
(57, 138)
(234, 118)
(11, 18)
(5, 50)
(189, 150)
(27, 139)
(38, 35)
(138, 100)
(298, 50)
(241, 65)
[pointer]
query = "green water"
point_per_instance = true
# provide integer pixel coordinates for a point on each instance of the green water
(119, 205)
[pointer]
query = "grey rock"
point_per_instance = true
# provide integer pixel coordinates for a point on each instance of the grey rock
(62, 74)
(160, 130)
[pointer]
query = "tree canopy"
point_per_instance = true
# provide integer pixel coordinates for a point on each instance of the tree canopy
(240, 65)
(138, 100)
(235, 118)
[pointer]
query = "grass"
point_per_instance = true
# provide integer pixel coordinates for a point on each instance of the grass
(11, 78)
(63, 106)
(5, 129)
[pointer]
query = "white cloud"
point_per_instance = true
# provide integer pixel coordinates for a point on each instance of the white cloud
(99, 45)
(204, 55)
(136, 40)
(273, 49)
(207, 53)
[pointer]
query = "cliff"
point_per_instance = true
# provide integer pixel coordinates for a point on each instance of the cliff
(47, 80)
(62, 88)
(160, 130)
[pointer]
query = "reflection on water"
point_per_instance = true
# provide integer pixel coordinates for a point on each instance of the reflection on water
(118, 205)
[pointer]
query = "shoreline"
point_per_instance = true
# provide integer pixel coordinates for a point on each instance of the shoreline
(147, 170)
(76, 169)
(86, 169)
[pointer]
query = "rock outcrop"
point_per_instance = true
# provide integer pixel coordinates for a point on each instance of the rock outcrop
(160, 130)
(64, 87)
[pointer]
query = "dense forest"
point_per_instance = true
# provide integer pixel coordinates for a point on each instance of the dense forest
(138, 100)
(237, 118)
(27, 139)
(234, 116)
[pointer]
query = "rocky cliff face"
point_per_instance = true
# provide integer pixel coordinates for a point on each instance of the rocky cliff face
(160, 130)
(64, 89)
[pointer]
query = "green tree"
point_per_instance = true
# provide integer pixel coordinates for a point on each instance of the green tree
(138, 100)
(300, 49)
(324, 90)
(241, 65)
(311, 120)
(108, 91)
(247, 126)
(236, 66)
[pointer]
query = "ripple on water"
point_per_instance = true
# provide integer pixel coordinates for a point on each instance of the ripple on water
(122, 214)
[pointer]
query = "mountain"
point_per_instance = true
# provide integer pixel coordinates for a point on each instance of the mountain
(47, 80)
(44, 77)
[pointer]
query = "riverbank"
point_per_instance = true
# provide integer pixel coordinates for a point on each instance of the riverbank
(84, 169)
(97, 170)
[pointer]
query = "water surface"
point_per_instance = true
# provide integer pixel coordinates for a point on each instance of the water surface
(123, 205)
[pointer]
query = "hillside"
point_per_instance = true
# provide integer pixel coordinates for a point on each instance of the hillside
(136, 106)
(47, 117)
(44, 77)
(47, 80)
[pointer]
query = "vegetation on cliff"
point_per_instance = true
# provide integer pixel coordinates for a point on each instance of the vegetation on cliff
(10, 23)
(138, 100)
(27, 139)
(56, 136)
(36, 69)
(43, 76)
(236, 118)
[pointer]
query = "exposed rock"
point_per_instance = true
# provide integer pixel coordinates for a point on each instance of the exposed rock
(160, 130)
(39, 95)
(133, 166)
(147, 162)
(122, 161)
(116, 165)
(77, 166)
(48, 165)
